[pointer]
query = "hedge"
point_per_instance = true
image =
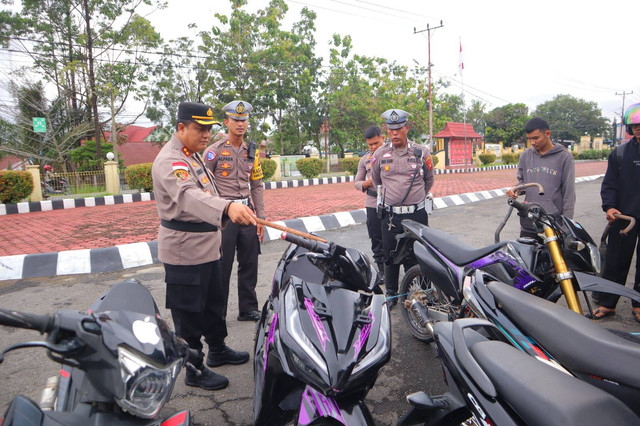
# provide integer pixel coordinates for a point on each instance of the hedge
(15, 186)
(268, 168)
(138, 176)
(487, 158)
(310, 167)
(350, 165)
(510, 158)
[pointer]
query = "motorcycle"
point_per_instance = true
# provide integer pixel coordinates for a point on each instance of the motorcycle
(56, 185)
(322, 338)
(120, 361)
(547, 270)
(492, 383)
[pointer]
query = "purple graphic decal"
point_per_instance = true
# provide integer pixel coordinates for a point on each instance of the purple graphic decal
(315, 405)
(317, 324)
(522, 280)
(270, 339)
(364, 335)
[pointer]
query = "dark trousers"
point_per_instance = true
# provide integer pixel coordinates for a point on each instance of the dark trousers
(375, 234)
(194, 295)
(620, 249)
(244, 240)
(389, 243)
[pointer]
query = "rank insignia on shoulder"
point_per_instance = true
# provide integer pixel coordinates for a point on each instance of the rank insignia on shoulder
(210, 155)
(186, 151)
(225, 152)
(228, 143)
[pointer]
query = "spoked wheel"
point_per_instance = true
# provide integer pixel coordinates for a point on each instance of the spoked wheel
(416, 286)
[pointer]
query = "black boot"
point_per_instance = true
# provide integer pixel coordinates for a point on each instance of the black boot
(391, 273)
(223, 354)
(200, 376)
(380, 273)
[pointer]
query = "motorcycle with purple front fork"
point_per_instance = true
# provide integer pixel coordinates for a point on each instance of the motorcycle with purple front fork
(323, 336)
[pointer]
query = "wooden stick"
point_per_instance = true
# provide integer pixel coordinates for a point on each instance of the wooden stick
(289, 230)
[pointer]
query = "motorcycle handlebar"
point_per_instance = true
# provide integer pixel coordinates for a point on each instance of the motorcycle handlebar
(521, 207)
(632, 222)
(314, 246)
(41, 323)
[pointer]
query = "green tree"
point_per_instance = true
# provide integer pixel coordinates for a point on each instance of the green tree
(569, 117)
(505, 124)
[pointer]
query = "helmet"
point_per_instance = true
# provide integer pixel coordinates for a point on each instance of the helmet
(632, 116)
(47, 167)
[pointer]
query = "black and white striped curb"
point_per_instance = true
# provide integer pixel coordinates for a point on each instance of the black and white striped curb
(89, 261)
(70, 203)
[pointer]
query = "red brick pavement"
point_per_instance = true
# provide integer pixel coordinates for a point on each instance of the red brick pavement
(107, 226)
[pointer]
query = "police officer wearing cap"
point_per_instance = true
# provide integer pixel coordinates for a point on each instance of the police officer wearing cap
(191, 214)
(236, 167)
(404, 172)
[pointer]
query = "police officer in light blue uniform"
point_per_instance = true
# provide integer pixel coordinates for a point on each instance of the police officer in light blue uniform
(404, 170)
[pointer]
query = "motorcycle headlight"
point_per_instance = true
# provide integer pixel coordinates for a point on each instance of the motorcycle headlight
(380, 350)
(147, 387)
(594, 253)
(293, 327)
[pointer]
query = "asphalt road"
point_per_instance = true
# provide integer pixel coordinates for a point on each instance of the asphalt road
(413, 366)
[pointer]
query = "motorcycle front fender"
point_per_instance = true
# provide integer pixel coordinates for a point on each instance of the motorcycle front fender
(315, 405)
(587, 282)
(424, 411)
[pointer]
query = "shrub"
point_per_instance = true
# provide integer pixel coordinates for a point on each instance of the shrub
(576, 156)
(350, 165)
(487, 158)
(434, 159)
(605, 153)
(138, 176)
(310, 167)
(590, 154)
(268, 168)
(15, 186)
(510, 158)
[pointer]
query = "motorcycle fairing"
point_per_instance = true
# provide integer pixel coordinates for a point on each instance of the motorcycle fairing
(315, 405)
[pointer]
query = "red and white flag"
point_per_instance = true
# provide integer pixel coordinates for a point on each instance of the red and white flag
(460, 64)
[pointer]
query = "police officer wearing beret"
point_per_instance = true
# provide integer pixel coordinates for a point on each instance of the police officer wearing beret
(404, 171)
(191, 214)
(236, 167)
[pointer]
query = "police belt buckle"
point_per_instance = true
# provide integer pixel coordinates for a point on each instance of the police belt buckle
(244, 201)
(407, 209)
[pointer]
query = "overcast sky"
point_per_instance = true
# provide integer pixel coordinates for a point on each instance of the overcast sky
(513, 51)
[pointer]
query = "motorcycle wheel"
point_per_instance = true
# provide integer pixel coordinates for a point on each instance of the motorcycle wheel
(415, 286)
(66, 188)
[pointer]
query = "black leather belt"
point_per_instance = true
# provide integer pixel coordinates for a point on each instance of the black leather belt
(177, 225)
(372, 193)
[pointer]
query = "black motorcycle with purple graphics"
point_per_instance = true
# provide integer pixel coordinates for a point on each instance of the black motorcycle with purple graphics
(561, 264)
(323, 336)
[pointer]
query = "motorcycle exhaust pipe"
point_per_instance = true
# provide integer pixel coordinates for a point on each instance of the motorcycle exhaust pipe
(422, 314)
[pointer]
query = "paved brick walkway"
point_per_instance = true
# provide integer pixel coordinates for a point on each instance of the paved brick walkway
(108, 226)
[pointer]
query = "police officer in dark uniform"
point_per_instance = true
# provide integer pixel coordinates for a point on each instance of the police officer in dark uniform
(191, 214)
(364, 183)
(404, 171)
(236, 166)
(620, 193)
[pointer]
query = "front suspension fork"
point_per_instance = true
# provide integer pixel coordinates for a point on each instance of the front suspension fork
(562, 272)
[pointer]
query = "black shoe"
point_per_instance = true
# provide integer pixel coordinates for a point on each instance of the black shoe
(204, 378)
(249, 316)
(226, 355)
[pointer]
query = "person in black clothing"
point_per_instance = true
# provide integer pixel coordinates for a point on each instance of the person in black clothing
(620, 193)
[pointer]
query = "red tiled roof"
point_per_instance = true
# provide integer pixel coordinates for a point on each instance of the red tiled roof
(16, 163)
(134, 133)
(457, 130)
(138, 152)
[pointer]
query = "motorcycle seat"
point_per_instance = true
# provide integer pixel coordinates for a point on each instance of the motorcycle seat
(459, 252)
(575, 341)
(542, 395)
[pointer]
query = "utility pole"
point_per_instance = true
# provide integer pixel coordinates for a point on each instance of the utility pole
(622, 126)
(428, 30)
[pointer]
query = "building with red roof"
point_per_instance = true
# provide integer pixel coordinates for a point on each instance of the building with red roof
(459, 141)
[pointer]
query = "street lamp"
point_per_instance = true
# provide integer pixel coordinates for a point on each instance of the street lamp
(110, 156)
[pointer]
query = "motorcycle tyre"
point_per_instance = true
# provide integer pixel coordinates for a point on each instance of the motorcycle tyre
(66, 188)
(419, 332)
